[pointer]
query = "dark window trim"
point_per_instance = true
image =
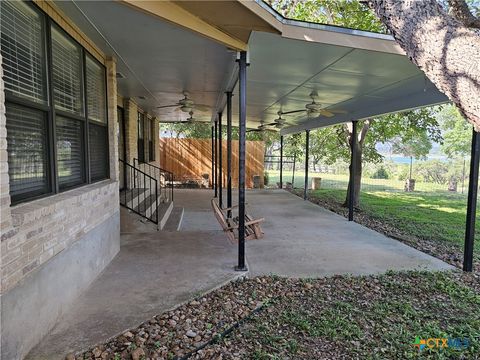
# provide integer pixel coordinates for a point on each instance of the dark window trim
(51, 113)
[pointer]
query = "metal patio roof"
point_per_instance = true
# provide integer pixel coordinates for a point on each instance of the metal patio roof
(364, 74)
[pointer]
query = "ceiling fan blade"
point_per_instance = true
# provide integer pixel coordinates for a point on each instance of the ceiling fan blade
(293, 111)
(170, 121)
(338, 111)
(326, 113)
(167, 106)
(202, 107)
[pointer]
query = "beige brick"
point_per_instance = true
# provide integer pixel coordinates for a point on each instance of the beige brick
(29, 267)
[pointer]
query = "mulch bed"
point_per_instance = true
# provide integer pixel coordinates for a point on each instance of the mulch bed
(340, 317)
(450, 253)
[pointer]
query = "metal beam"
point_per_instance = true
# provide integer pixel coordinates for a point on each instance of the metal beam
(281, 162)
(229, 153)
(307, 145)
(220, 162)
(215, 159)
(471, 203)
(353, 150)
(242, 81)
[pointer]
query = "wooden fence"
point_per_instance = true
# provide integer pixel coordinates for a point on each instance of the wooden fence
(189, 159)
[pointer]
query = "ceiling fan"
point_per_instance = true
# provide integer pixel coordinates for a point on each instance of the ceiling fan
(278, 123)
(261, 128)
(186, 105)
(190, 119)
(316, 109)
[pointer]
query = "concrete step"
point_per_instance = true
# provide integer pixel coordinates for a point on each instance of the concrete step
(133, 197)
(174, 221)
(147, 206)
(164, 210)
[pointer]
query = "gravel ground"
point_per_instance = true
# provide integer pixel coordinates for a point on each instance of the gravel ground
(340, 317)
(448, 252)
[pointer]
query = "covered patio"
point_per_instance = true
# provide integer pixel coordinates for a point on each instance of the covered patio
(264, 72)
(223, 63)
(158, 271)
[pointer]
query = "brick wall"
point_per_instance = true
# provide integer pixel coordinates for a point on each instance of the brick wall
(43, 228)
(5, 220)
(112, 97)
(131, 129)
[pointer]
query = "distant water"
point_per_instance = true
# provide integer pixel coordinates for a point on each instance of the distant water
(406, 160)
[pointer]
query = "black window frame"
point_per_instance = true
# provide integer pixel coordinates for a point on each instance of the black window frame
(50, 112)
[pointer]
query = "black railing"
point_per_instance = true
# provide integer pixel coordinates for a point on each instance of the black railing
(164, 177)
(140, 192)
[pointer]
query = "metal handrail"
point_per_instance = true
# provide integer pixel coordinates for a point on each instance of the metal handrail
(166, 175)
(136, 177)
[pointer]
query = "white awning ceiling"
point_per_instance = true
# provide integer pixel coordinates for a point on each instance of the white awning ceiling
(360, 73)
(359, 81)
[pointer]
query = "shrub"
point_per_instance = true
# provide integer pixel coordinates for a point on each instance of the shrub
(381, 173)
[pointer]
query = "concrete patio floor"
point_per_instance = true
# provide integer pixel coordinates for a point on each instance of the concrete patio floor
(156, 271)
(305, 240)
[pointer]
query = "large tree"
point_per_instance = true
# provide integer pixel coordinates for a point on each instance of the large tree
(401, 127)
(443, 41)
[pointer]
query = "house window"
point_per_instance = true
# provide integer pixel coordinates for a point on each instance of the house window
(141, 137)
(97, 119)
(56, 113)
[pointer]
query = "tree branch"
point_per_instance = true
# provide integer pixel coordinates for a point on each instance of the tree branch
(460, 11)
(363, 133)
(442, 47)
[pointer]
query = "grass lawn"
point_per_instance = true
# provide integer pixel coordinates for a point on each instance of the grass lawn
(340, 181)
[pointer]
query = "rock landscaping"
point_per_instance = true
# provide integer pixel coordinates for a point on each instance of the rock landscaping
(341, 317)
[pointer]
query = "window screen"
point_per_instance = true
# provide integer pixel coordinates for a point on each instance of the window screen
(96, 102)
(27, 152)
(98, 151)
(70, 150)
(22, 50)
(67, 74)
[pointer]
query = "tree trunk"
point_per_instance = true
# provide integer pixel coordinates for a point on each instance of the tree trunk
(440, 45)
(358, 178)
